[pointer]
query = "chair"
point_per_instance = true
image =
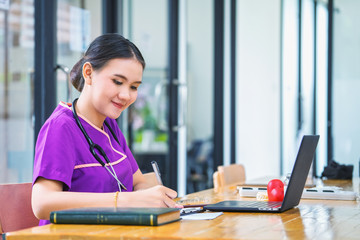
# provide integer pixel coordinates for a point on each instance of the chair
(226, 175)
(15, 207)
(216, 179)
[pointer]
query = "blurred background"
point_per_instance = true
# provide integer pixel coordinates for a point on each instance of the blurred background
(226, 81)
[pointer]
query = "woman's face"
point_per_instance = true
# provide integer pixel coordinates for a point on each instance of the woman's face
(114, 87)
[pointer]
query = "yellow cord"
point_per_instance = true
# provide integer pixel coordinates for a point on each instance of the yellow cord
(115, 198)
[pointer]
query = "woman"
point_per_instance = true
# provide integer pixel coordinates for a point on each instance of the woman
(66, 173)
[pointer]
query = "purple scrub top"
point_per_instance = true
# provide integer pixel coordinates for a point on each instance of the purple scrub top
(62, 154)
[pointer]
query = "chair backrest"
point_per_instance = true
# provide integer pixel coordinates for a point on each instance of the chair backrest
(216, 179)
(15, 207)
(226, 175)
(151, 179)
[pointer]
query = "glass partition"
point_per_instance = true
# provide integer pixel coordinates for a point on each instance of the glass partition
(290, 84)
(321, 85)
(200, 97)
(78, 23)
(258, 87)
(146, 122)
(16, 91)
(307, 77)
(346, 83)
(146, 24)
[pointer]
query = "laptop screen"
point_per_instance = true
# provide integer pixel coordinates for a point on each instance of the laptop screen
(300, 171)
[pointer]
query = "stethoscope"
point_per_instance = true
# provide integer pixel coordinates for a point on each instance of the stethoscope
(94, 146)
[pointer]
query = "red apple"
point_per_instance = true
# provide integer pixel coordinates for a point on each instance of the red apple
(275, 190)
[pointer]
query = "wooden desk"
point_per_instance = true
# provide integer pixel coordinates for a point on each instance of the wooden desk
(312, 219)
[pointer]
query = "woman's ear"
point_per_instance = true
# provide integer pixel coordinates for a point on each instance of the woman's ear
(87, 73)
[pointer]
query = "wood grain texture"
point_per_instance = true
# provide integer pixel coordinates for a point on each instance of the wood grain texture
(312, 219)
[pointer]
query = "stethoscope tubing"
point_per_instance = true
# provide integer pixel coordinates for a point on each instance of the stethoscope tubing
(94, 146)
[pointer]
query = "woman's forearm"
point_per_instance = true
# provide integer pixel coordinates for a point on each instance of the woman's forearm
(47, 196)
(65, 200)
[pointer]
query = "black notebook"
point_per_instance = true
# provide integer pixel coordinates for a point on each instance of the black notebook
(116, 216)
(294, 189)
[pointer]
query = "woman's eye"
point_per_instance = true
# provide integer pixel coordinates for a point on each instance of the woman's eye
(134, 87)
(117, 82)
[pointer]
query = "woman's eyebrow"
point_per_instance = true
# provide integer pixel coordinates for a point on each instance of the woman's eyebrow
(120, 76)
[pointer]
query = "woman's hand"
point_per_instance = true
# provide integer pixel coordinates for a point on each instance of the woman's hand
(157, 196)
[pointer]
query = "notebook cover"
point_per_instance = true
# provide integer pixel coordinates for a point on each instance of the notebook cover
(116, 216)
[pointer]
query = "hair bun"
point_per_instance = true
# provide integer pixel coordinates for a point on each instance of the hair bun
(76, 76)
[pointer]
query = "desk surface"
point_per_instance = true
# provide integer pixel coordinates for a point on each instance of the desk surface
(312, 219)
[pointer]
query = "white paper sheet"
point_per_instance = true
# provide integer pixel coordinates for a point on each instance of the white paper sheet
(202, 216)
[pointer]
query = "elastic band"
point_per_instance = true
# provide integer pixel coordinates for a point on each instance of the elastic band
(115, 198)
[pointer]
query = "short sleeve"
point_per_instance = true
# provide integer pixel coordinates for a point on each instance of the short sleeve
(54, 158)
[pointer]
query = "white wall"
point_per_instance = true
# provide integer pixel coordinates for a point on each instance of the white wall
(258, 87)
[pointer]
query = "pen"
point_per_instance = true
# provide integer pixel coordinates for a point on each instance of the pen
(194, 205)
(157, 172)
(187, 211)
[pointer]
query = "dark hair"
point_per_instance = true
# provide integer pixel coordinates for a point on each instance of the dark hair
(103, 49)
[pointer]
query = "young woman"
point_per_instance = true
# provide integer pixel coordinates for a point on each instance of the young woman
(81, 156)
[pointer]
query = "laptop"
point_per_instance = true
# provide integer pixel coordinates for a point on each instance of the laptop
(294, 189)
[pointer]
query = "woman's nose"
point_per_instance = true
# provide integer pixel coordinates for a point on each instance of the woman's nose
(124, 94)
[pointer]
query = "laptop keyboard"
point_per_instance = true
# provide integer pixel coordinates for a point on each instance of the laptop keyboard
(259, 204)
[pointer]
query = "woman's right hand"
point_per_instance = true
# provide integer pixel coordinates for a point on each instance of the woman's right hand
(157, 196)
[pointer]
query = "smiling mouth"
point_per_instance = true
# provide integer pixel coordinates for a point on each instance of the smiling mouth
(118, 105)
